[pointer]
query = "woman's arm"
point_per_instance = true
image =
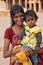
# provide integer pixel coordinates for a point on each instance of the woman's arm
(6, 52)
(38, 51)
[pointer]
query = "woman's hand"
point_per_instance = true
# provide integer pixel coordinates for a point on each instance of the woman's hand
(27, 51)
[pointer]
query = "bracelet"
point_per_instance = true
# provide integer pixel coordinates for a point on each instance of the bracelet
(10, 53)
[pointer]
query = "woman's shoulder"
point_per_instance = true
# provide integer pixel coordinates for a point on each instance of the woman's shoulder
(8, 29)
(8, 33)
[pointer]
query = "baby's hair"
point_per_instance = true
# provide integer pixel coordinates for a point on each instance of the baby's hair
(30, 13)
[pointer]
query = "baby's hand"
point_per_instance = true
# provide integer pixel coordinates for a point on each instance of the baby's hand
(27, 51)
(30, 51)
(36, 48)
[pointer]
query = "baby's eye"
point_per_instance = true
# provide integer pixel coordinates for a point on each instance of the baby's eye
(28, 20)
(32, 19)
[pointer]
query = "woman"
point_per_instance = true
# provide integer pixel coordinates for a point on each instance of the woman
(12, 34)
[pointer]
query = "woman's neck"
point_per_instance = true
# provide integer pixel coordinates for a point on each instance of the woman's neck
(17, 29)
(19, 26)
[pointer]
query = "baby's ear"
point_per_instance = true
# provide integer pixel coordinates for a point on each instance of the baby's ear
(36, 19)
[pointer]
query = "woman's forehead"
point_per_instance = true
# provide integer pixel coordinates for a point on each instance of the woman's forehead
(18, 13)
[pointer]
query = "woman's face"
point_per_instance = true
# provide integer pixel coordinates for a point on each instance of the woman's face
(31, 21)
(18, 18)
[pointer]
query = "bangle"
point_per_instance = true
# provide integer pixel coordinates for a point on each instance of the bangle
(10, 53)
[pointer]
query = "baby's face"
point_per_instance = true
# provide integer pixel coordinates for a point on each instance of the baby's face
(31, 21)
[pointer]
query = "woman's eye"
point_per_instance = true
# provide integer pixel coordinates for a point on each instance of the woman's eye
(21, 15)
(15, 16)
(18, 16)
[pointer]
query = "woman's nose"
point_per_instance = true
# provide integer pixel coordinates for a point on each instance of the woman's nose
(19, 18)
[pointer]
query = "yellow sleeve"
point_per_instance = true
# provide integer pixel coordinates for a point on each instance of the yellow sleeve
(36, 29)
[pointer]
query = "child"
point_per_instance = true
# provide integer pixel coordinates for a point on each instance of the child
(33, 36)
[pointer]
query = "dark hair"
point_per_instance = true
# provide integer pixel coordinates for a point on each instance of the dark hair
(31, 13)
(14, 9)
